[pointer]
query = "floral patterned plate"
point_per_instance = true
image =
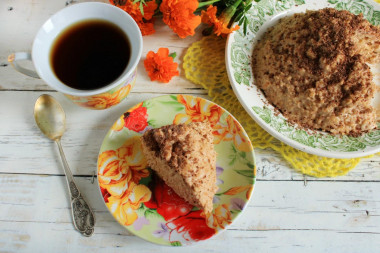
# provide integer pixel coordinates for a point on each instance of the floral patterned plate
(238, 62)
(145, 205)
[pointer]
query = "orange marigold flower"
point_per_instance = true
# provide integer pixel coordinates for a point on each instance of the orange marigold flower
(220, 24)
(145, 22)
(179, 16)
(160, 66)
(146, 28)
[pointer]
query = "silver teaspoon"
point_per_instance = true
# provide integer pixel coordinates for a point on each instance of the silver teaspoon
(51, 120)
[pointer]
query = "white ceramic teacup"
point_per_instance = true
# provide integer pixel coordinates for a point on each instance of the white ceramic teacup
(100, 98)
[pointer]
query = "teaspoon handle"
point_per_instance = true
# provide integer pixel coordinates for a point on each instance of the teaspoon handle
(83, 217)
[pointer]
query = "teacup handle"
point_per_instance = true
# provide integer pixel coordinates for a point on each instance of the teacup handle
(15, 57)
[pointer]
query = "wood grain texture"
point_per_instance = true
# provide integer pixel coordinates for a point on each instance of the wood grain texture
(280, 215)
(326, 215)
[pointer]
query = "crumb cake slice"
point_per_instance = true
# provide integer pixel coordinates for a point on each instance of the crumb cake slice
(184, 157)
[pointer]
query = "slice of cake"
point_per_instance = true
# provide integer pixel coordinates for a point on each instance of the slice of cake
(184, 157)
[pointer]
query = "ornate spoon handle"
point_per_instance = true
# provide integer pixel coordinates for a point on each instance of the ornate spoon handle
(83, 217)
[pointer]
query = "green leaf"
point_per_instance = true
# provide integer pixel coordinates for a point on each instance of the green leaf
(176, 243)
(152, 122)
(141, 5)
(141, 8)
(246, 81)
(299, 2)
(146, 180)
(235, 211)
(250, 165)
(239, 19)
(341, 6)
(146, 104)
(171, 103)
(375, 18)
(238, 77)
(233, 149)
(242, 154)
(178, 109)
(246, 173)
(245, 25)
(246, 8)
(142, 207)
(151, 213)
(177, 106)
(233, 160)
(173, 55)
(261, 12)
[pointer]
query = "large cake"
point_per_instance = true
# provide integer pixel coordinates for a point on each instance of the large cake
(313, 68)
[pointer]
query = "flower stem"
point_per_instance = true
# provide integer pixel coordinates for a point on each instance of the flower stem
(202, 4)
(236, 4)
(232, 9)
(228, 13)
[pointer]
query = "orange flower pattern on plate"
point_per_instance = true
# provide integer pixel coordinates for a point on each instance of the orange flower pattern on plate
(233, 131)
(104, 100)
(239, 189)
(219, 218)
(118, 168)
(197, 110)
(124, 207)
(119, 172)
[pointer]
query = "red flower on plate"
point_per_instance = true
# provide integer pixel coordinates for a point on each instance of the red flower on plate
(168, 204)
(136, 120)
(105, 194)
(183, 223)
(191, 227)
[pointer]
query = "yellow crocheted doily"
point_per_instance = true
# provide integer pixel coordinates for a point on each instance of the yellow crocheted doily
(204, 65)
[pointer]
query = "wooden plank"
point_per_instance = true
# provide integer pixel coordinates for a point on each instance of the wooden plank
(28, 16)
(282, 215)
(338, 206)
(23, 149)
(23, 237)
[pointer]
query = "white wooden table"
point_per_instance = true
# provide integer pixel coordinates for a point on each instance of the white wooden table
(285, 215)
